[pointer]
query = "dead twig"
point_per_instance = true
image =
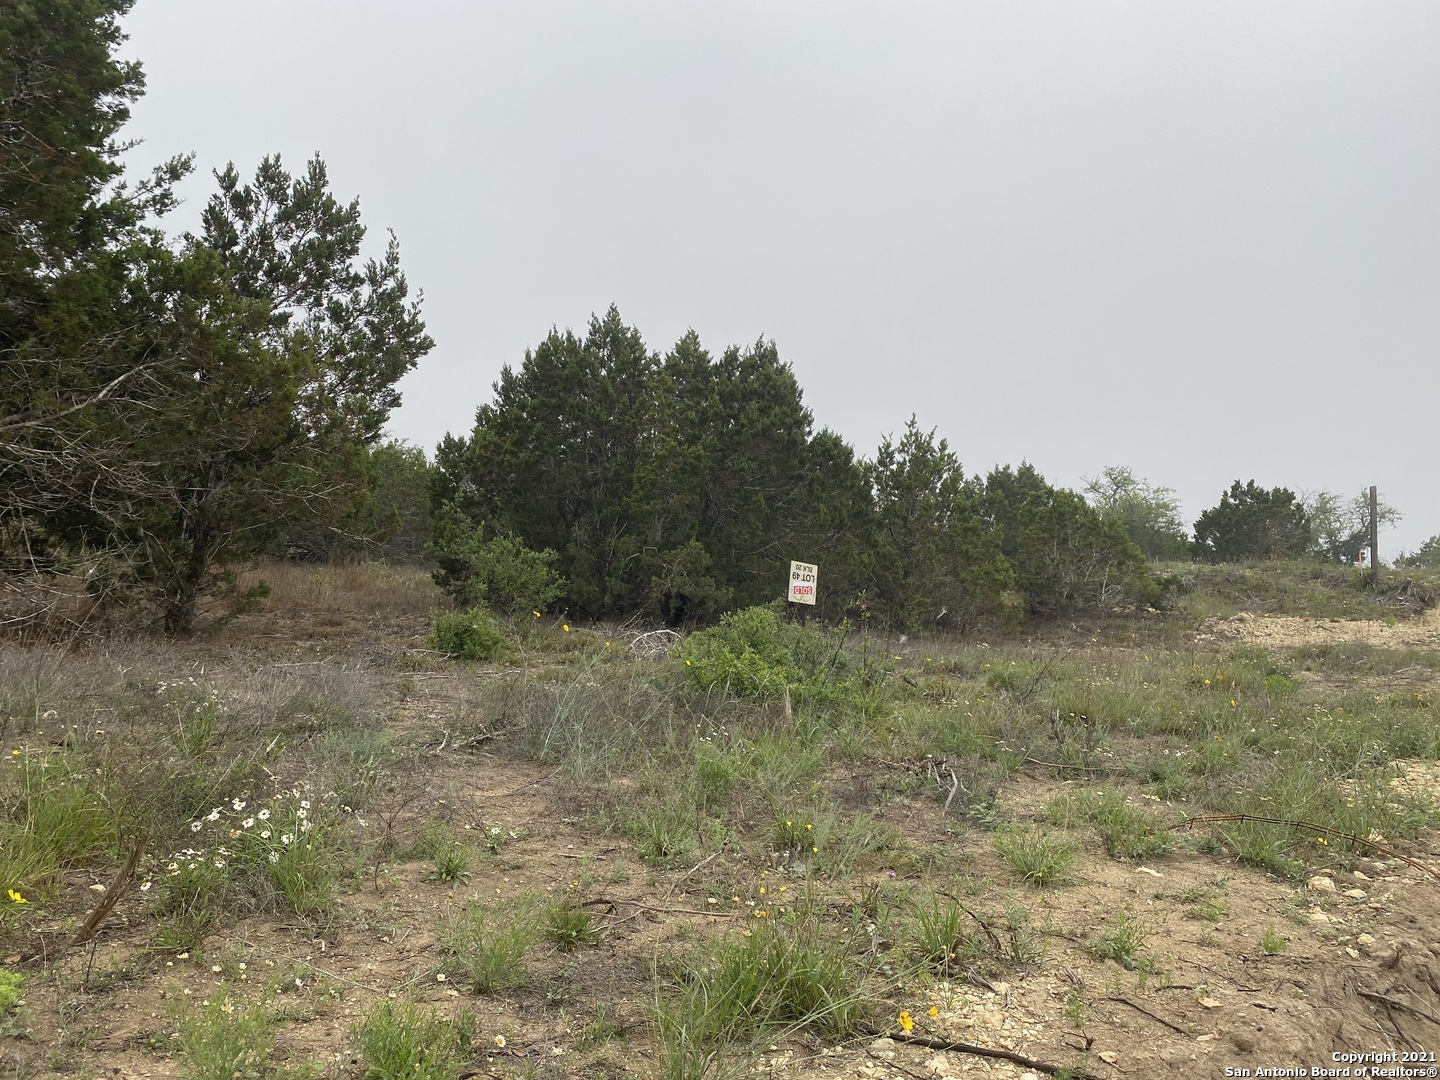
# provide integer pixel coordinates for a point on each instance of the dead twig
(954, 787)
(686, 876)
(639, 907)
(993, 1053)
(1395, 1003)
(1027, 760)
(1211, 819)
(118, 887)
(1141, 1009)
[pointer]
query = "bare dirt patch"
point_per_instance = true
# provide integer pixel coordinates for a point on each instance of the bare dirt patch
(1293, 631)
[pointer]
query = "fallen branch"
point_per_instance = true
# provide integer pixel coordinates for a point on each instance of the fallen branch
(1211, 819)
(1028, 760)
(1398, 1004)
(118, 887)
(954, 787)
(686, 876)
(1147, 1012)
(993, 1053)
(639, 907)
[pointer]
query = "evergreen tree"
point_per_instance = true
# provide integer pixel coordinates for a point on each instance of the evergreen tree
(935, 563)
(1067, 559)
(1252, 522)
(171, 407)
(675, 487)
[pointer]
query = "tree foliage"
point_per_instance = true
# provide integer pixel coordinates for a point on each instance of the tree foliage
(172, 405)
(1066, 557)
(677, 486)
(1340, 527)
(1252, 522)
(935, 562)
(1149, 515)
(1425, 557)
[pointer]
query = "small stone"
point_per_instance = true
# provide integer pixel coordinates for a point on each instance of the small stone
(1352, 953)
(1355, 894)
(1209, 1003)
(1360, 875)
(1319, 918)
(1318, 883)
(1108, 1056)
(1242, 1041)
(1364, 941)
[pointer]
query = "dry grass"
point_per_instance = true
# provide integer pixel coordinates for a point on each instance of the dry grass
(346, 589)
(747, 870)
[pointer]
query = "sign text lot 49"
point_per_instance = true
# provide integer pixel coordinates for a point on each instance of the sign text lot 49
(802, 582)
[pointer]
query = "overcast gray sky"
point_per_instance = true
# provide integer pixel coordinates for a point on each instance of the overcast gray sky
(1198, 239)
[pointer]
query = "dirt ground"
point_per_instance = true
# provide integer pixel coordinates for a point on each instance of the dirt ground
(1292, 631)
(1358, 970)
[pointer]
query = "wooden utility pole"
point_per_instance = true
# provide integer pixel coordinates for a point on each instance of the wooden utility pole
(1374, 538)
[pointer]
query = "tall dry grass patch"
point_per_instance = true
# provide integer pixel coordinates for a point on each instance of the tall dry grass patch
(375, 588)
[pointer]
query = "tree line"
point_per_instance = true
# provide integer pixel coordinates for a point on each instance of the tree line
(679, 486)
(174, 405)
(615, 481)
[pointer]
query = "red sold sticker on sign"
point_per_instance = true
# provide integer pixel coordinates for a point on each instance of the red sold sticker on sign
(802, 582)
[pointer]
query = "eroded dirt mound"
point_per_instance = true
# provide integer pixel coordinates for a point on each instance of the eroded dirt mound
(1294, 631)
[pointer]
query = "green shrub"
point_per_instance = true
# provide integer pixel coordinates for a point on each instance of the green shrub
(569, 926)
(197, 709)
(941, 933)
(406, 1041)
(1271, 942)
(501, 573)
(1038, 857)
(452, 859)
(776, 978)
(58, 821)
(10, 983)
(1122, 943)
(754, 653)
(488, 947)
(470, 634)
(663, 831)
(221, 1039)
(1128, 832)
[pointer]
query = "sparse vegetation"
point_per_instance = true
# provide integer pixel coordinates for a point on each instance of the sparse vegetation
(1040, 858)
(221, 1039)
(486, 944)
(890, 828)
(405, 1040)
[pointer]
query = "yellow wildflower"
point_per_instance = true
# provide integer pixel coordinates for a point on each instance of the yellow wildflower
(906, 1020)
(15, 897)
